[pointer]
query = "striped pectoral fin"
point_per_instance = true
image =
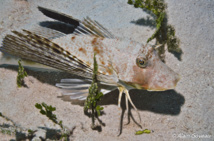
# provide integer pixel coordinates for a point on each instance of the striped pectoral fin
(78, 88)
(35, 48)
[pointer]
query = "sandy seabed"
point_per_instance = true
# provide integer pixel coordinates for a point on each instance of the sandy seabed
(184, 113)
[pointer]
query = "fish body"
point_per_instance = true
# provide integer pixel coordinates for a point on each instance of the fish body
(111, 54)
(117, 58)
(122, 64)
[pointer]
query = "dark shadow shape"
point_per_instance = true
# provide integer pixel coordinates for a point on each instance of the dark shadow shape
(178, 55)
(121, 120)
(58, 16)
(97, 128)
(52, 134)
(21, 136)
(149, 12)
(101, 123)
(43, 75)
(123, 109)
(23, 84)
(52, 78)
(4, 125)
(145, 22)
(159, 39)
(18, 135)
(131, 116)
(55, 134)
(59, 26)
(165, 102)
(62, 27)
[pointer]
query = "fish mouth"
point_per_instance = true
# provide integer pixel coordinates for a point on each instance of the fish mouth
(170, 86)
(161, 89)
(140, 87)
(149, 87)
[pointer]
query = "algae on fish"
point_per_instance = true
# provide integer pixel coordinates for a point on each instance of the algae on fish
(93, 97)
(164, 33)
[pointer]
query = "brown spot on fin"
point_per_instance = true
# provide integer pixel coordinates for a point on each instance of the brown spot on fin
(72, 38)
(82, 50)
(94, 41)
(97, 45)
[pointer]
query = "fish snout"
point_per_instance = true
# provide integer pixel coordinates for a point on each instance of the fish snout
(164, 79)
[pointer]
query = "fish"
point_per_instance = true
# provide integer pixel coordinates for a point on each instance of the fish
(123, 64)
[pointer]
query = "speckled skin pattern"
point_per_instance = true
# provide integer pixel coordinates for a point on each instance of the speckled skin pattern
(117, 58)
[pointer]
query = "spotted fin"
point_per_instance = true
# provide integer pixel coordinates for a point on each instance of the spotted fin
(78, 88)
(35, 48)
(32, 47)
(87, 26)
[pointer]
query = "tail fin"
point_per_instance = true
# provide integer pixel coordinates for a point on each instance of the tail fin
(32, 47)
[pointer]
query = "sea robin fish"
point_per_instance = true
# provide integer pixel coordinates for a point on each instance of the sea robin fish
(122, 64)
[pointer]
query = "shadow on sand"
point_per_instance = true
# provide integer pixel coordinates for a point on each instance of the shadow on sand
(166, 102)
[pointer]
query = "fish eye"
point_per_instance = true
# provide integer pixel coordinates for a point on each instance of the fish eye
(141, 62)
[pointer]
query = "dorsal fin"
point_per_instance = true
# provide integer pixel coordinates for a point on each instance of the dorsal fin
(87, 26)
(91, 27)
(59, 16)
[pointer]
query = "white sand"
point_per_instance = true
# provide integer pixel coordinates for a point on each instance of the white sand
(187, 110)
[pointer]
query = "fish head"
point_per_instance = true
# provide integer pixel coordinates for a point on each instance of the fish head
(150, 73)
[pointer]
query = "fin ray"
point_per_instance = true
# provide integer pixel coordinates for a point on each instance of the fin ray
(46, 32)
(76, 90)
(59, 16)
(93, 28)
(35, 48)
(86, 26)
